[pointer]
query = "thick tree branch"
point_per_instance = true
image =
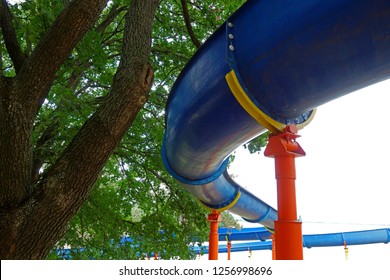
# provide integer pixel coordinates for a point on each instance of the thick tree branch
(9, 35)
(187, 20)
(15, 148)
(36, 76)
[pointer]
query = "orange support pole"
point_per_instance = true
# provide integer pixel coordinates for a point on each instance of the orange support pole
(229, 246)
(214, 218)
(288, 230)
(273, 247)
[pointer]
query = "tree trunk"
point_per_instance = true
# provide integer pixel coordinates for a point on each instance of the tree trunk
(34, 217)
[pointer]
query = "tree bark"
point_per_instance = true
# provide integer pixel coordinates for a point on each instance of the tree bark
(10, 39)
(34, 218)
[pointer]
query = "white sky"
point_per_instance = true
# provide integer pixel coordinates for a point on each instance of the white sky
(343, 181)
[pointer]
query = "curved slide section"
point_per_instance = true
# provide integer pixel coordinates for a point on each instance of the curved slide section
(270, 65)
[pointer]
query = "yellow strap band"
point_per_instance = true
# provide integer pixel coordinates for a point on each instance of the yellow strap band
(262, 118)
(270, 230)
(220, 210)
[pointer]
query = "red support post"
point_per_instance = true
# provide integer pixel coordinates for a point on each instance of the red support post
(288, 230)
(214, 218)
(273, 247)
(229, 246)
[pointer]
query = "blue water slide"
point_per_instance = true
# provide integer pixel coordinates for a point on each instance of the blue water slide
(284, 59)
(309, 241)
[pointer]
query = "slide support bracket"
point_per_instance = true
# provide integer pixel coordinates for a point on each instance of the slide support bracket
(288, 229)
(214, 218)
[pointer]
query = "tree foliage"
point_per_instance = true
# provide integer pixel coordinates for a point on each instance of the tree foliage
(256, 144)
(81, 132)
(229, 221)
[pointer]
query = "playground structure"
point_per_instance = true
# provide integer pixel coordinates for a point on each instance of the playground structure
(259, 239)
(267, 68)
